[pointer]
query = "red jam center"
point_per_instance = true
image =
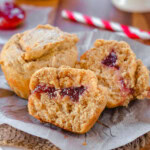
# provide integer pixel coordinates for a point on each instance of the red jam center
(11, 15)
(51, 91)
(110, 60)
(73, 92)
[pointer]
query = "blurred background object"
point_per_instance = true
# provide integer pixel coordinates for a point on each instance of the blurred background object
(11, 15)
(132, 5)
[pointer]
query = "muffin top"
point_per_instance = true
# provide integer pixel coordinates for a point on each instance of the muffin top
(37, 42)
(43, 38)
(43, 44)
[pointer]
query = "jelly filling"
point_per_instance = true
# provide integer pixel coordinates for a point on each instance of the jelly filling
(51, 91)
(11, 15)
(110, 60)
(73, 92)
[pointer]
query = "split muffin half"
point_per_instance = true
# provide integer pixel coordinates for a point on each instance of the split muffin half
(117, 69)
(66, 97)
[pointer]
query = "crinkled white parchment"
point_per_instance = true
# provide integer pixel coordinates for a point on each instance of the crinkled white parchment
(125, 124)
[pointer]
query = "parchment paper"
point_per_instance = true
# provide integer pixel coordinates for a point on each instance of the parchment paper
(125, 124)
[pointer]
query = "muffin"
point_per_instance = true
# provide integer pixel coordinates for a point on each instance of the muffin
(117, 69)
(66, 97)
(25, 53)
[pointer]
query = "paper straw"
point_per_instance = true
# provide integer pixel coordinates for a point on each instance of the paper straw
(128, 31)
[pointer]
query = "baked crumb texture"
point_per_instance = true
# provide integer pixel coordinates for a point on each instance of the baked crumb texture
(43, 46)
(117, 69)
(66, 97)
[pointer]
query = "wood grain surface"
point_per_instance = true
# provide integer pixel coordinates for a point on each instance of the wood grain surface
(51, 3)
(99, 8)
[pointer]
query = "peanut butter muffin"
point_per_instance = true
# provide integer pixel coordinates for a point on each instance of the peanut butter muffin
(43, 46)
(117, 69)
(66, 97)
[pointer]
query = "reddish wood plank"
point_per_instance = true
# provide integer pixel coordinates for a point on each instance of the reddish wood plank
(52, 3)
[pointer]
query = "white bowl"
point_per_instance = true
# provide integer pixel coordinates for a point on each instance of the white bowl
(132, 5)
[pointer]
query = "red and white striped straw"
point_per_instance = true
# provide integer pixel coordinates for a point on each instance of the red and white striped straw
(128, 31)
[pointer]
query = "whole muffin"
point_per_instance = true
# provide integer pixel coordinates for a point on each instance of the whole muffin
(117, 68)
(25, 53)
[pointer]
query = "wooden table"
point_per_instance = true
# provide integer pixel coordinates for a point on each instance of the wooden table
(99, 8)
